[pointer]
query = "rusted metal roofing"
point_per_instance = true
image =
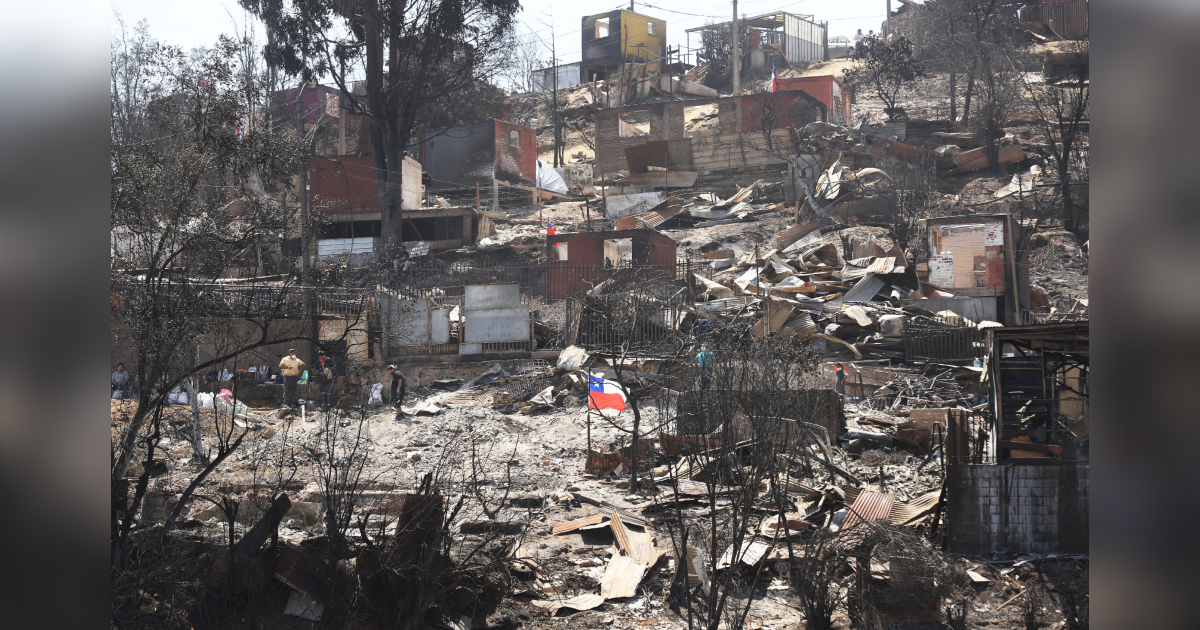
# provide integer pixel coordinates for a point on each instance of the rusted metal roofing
(646, 219)
(869, 506)
(793, 234)
(903, 513)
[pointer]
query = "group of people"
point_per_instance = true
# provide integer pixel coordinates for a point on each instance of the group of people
(859, 38)
(292, 367)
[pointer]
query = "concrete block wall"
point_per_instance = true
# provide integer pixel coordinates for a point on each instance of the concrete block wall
(992, 508)
(610, 144)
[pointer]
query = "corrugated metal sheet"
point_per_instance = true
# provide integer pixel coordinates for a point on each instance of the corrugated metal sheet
(902, 513)
(865, 290)
(570, 526)
(801, 324)
(646, 219)
(791, 235)
(617, 206)
(802, 40)
(342, 246)
(869, 506)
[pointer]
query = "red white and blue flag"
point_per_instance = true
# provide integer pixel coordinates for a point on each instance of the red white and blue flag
(604, 394)
(774, 78)
(549, 228)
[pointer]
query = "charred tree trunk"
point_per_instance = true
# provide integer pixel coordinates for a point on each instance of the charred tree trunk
(953, 97)
(967, 97)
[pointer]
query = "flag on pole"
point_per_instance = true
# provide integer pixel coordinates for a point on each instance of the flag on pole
(549, 228)
(774, 78)
(604, 394)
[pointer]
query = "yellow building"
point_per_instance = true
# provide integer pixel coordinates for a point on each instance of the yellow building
(616, 37)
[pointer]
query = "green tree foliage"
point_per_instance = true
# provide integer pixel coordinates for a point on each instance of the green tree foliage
(424, 61)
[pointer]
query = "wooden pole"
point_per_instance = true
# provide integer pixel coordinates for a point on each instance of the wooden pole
(477, 206)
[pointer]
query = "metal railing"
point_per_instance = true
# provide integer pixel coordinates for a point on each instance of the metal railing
(934, 342)
(246, 300)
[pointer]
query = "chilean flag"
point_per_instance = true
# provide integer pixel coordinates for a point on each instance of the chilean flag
(774, 78)
(549, 228)
(604, 394)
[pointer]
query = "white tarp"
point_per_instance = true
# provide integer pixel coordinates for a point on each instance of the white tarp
(549, 179)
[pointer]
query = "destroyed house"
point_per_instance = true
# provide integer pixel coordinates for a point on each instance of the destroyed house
(826, 89)
(619, 37)
(566, 75)
(975, 257)
(1018, 481)
(478, 160)
(792, 36)
(324, 107)
(343, 189)
(578, 262)
(752, 130)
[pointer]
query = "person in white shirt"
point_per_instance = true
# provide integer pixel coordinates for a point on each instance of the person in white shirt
(858, 37)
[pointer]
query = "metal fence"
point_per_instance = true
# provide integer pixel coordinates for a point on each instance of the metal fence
(936, 342)
(247, 300)
(536, 279)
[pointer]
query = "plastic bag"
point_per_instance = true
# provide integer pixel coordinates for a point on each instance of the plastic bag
(377, 393)
(177, 397)
(116, 394)
(205, 400)
(303, 378)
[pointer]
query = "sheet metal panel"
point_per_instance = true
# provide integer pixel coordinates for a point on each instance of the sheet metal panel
(869, 506)
(802, 40)
(496, 325)
(866, 289)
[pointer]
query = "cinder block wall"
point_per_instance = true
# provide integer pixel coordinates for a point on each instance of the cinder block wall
(992, 508)
(610, 144)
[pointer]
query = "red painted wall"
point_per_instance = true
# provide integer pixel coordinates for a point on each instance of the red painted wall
(343, 184)
(786, 105)
(516, 161)
(821, 88)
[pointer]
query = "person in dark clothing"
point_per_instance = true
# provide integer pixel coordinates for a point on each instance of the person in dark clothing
(324, 370)
(396, 391)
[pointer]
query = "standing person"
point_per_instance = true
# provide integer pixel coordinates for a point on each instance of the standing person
(858, 37)
(396, 392)
(324, 369)
(839, 385)
(290, 366)
(120, 380)
(705, 359)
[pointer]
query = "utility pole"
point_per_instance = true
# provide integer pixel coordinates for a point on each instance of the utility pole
(303, 182)
(887, 21)
(737, 57)
(557, 120)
